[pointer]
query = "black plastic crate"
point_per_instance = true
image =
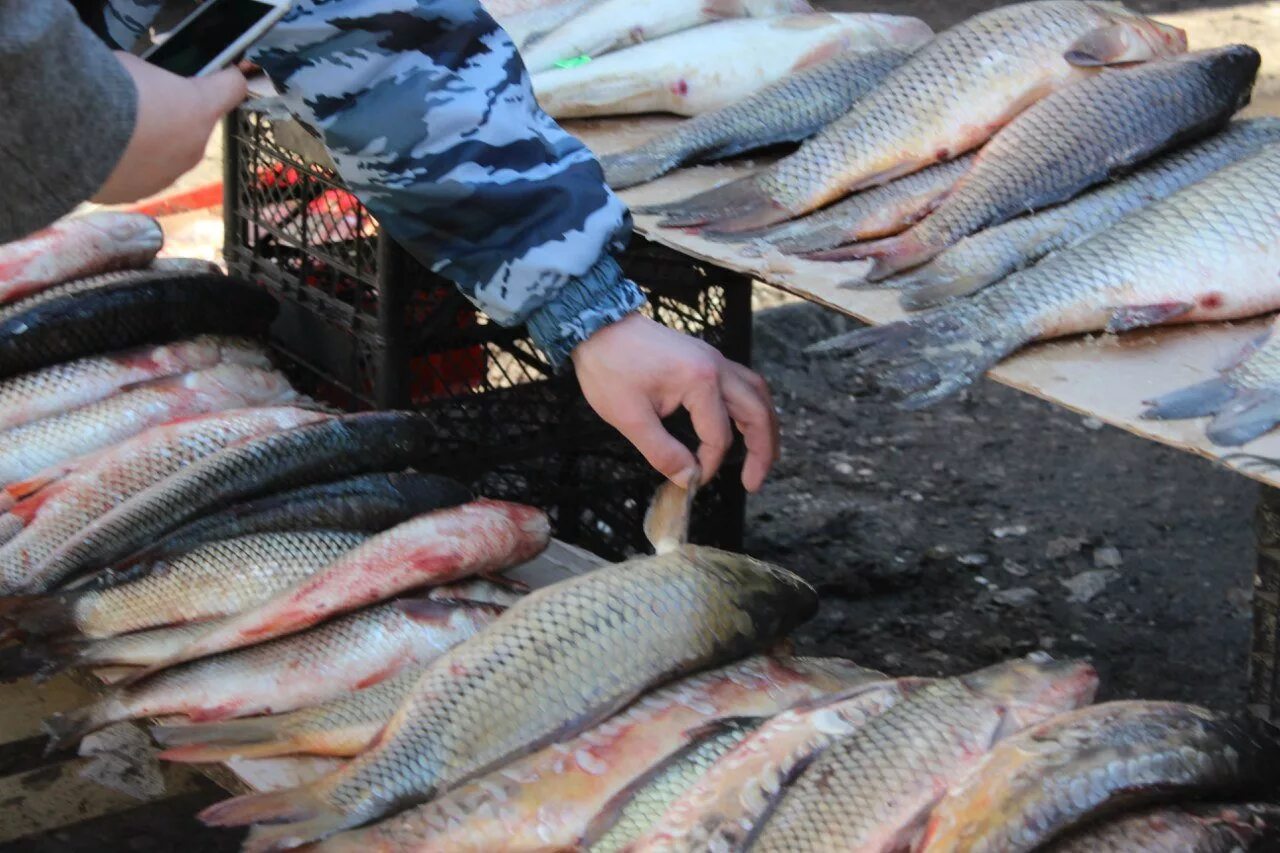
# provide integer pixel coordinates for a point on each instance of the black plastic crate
(363, 325)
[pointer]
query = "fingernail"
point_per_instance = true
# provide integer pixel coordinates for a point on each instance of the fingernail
(685, 478)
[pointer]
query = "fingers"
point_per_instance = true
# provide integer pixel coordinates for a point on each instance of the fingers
(641, 426)
(706, 407)
(224, 91)
(751, 406)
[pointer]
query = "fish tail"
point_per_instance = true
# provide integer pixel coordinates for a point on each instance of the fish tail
(66, 729)
(293, 807)
(1249, 415)
(1197, 401)
(40, 615)
(892, 256)
(638, 166)
(37, 659)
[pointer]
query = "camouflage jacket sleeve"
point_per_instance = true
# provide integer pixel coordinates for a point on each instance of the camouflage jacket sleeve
(427, 111)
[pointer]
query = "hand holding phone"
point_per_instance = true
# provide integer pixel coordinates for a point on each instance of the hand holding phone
(215, 35)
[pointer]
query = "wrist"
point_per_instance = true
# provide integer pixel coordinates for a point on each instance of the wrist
(583, 307)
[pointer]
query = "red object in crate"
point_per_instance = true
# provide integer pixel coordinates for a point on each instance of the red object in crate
(448, 374)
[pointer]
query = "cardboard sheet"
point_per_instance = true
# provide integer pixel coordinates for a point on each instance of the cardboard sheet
(1107, 377)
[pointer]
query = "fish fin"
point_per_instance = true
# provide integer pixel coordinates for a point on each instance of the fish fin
(66, 729)
(289, 836)
(1115, 44)
(666, 523)
(1250, 415)
(706, 206)
(145, 672)
(40, 615)
(929, 287)
(33, 659)
(252, 730)
(819, 55)
(1196, 401)
(215, 753)
(214, 714)
(428, 610)
(756, 213)
(1129, 317)
(302, 803)
(632, 168)
(896, 254)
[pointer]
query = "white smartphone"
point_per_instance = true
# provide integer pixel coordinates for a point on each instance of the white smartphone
(215, 35)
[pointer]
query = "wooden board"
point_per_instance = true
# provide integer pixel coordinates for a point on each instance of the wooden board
(1107, 377)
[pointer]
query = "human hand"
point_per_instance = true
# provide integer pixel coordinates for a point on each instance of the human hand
(636, 371)
(175, 117)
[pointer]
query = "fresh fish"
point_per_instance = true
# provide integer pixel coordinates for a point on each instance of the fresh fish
(708, 68)
(346, 654)
(527, 26)
(720, 811)
(1179, 829)
(343, 727)
(29, 449)
(438, 548)
(1075, 138)
(123, 310)
(878, 212)
(56, 513)
(650, 796)
(792, 109)
(77, 247)
(506, 8)
(948, 99)
(652, 619)
(1243, 400)
(64, 387)
(44, 659)
(1052, 777)
(1208, 252)
(215, 580)
(987, 257)
(873, 790)
(323, 452)
(369, 503)
(612, 24)
(507, 810)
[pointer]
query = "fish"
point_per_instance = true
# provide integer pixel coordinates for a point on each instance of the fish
(873, 790)
(986, 257)
(710, 67)
(790, 110)
(77, 247)
(340, 727)
(346, 654)
(653, 619)
(1210, 828)
(877, 212)
(320, 452)
(64, 387)
(528, 26)
(57, 512)
(29, 449)
(648, 797)
(507, 809)
(609, 25)
(1074, 139)
(215, 580)
(123, 310)
(368, 503)
(440, 547)
(722, 808)
(42, 658)
(1208, 252)
(1243, 400)
(947, 100)
(1036, 785)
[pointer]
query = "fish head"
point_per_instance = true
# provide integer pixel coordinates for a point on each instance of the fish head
(1125, 37)
(1035, 688)
(131, 231)
(775, 599)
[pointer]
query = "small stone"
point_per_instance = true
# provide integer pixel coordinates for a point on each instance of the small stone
(937, 635)
(938, 552)
(1107, 558)
(1087, 586)
(1017, 597)
(844, 468)
(973, 560)
(1015, 568)
(1092, 424)
(1048, 643)
(1010, 531)
(1064, 546)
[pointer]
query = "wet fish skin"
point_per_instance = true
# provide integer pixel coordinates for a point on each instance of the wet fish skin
(985, 258)
(368, 503)
(26, 450)
(346, 654)
(1208, 252)
(1076, 138)
(507, 809)
(1042, 782)
(1177, 829)
(790, 110)
(77, 247)
(873, 790)
(64, 387)
(720, 811)
(126, 310)
(948, 99)
(877, 212)
(526, 27)
(713, 606)
(441, 547)
(42, 659)
(322, 452)
(710, 67)
(57, 513)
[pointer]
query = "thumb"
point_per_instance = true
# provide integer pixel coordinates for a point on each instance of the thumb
(224, 91)
(660, 448)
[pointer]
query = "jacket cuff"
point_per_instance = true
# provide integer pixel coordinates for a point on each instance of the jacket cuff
(583, 307)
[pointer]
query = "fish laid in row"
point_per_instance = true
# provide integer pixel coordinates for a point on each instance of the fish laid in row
(1208, 252)
(948, 99)
(1180, 829)
(75, 248)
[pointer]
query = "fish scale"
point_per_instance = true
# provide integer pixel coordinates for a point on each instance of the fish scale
(652, 619)
(126, 470)
(1175, 829)
(1076, 138)
(75, 247)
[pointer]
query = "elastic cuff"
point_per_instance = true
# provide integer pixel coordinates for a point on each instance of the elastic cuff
(583, 307)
